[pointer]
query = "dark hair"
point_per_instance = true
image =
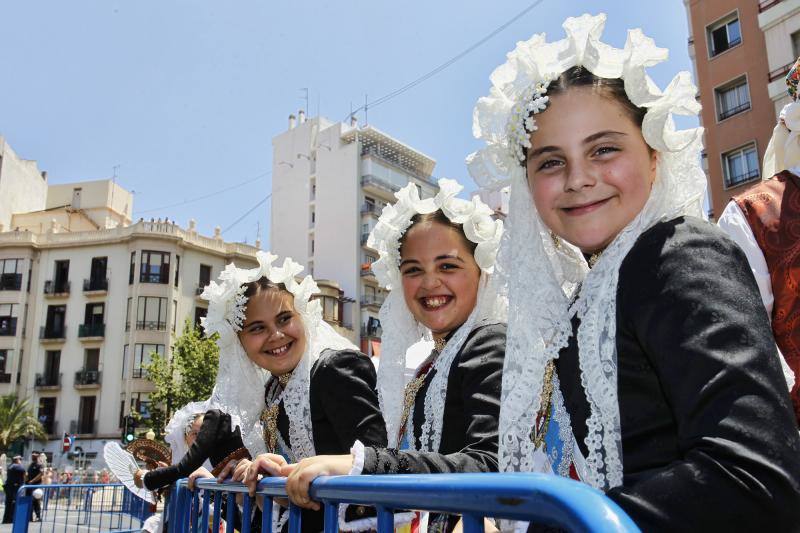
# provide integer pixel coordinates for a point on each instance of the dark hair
(440, 218)
(611, 88)
(261, 284)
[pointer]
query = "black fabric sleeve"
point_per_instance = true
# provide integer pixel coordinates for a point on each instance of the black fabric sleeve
(687, 295)
(479, 370)
(347, 381)
(213, 426)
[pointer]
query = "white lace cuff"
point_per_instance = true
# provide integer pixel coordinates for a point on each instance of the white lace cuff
(358, 458)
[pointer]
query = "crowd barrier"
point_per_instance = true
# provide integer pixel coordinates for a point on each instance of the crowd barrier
(542, 499)
(80, 507)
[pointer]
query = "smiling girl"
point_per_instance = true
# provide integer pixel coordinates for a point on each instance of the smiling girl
(293, 385)
(639, 357)
(436, 259)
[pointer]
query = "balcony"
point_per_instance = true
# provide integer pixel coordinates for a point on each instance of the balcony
(8, 326)
(5, 377)
(372, 301)
(779, 73)
(48, 381)
(10, 282)
(50, 426)
(154, 277)
(56, 289)
(366, 272)
(371, 209)
(375, 185)
(766, 4)
(364, 239)
(83, 427)
(99, 285)
(140, 373)
(198, 291)
(88, 332)
(371, 332)
(51, 334)
(87, 379)
(151, 325)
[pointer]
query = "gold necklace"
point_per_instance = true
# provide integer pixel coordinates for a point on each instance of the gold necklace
(544, 414)
(409, 397)
(269, 416)
(594, 258)
(439, 344)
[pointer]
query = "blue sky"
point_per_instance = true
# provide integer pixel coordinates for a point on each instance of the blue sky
(186, 95)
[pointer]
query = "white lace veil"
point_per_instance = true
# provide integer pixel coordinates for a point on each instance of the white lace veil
(400, 328)
(239, 390)
(175, 431)
(541, 277)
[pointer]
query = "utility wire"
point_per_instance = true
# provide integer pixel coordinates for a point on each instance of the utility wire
(397, 92)
(205, 196)
(248, 212)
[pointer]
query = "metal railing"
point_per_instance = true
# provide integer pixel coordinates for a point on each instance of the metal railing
(10, 282)
(95, 284)
(56, 287)
(85, 377)
(8, 326)
(50, 332)
(542, 499)
(92, 330)
(726, 113)
(48, 380)
(153, 325)
(154, 277)
(80, 507)
(780, 72)
(766, 4)
(5, 377)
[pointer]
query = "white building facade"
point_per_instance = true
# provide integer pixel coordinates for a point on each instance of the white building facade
(330, 182)
(780, 22)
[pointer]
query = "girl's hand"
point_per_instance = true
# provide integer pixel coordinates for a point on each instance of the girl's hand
(266, 463)
(301, 475)
(200, 473)
(138, 478)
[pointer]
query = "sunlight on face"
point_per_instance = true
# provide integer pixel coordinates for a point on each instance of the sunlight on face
(272, 335)
(440, 277)
(590, 170)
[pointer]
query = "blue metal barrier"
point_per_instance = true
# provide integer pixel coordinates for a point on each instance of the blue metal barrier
(88, 507)
(538, 498)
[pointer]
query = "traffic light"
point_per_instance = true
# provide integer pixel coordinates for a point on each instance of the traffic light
(128, 429)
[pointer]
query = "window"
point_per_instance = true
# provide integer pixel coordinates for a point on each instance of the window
(133, 268)
(86, 415)
(140, 403)
(125, 361)
(121, 408)
(205, 276)
(174, 315)
(330, 308)
(369, 259)
(199, 312)
(47, 414)
(5, 363)
(60, 282)
(155, 267)
(177, 268)
(52, 369)
(732, 99)
(10, 274)
(795, 44)
(93, 321)
(128, 315)
(97, 275)
(151, 313)
(740, 166)
(724, 35)
(55, 324)
(141, 357)
(91, 359)
(8, 320)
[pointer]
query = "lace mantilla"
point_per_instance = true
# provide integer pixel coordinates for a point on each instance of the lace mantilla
(175, 431)
(539, 309)
(239, 389)
(402, 329)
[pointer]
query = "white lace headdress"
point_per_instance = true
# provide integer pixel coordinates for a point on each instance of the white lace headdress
(541, 278)
(400, 329)
(177, 428)
(239, 390)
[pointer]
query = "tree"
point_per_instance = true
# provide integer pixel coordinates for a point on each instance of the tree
(17, 422)
(188, 376)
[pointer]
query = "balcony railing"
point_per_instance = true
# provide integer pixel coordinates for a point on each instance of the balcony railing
(5, 377)
(374, 181)
(743, 177)
(371, 209)
(83, 427)
(154, 277)
(199, 289)
(376, 301)
(779, 73)
(364, 238)
(95, 285)
(51, 333)
(10, 282)
(766, 4)
(151, 325)
(50, 425)
(8, 326)
(140, 373)
(734, 110)
(85, 377)
(91, 330)
(48, 380)
(53, 288)
(371, 332)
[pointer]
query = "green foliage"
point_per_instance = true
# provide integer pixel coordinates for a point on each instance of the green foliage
(188, 376)
(17, 421)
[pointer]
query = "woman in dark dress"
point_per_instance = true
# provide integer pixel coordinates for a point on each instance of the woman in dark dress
(436, 259)
(634, 323)
(317, 391)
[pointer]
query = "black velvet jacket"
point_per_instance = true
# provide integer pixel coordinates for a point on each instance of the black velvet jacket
(471, 411)
(709, 442)
(344, 408)
(215, 441)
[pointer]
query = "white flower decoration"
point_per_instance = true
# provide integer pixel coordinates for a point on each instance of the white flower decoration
(474, 216)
